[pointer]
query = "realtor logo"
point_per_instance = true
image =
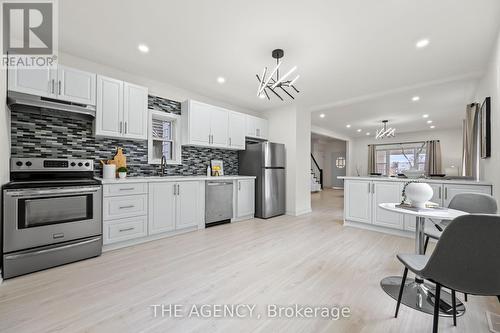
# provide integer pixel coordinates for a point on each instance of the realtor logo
(29, 33)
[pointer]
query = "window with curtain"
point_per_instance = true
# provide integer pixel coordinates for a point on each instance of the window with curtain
(394, 159)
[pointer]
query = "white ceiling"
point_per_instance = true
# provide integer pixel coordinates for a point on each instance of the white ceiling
(444, 103)
(343, 49)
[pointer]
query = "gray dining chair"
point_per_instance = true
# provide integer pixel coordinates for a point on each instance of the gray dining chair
(465, 259)
(472, 203)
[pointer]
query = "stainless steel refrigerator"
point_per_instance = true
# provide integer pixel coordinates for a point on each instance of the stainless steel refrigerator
(266, 161)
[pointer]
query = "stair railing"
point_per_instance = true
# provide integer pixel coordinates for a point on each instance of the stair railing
(316, 170)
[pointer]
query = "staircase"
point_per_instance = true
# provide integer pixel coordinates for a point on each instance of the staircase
(316, 176)
(315, 184)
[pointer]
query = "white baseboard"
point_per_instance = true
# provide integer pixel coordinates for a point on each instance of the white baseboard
(300, 212)
(119, 245)
(244, 218)
(367, 226)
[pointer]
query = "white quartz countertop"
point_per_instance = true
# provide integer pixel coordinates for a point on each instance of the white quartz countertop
(438, 181)
(150, 179)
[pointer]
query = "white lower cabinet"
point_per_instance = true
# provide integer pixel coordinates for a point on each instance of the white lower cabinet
(161, 216)
(174, 206)
(245, 198)
(386, 192)
(357, 201)
(125, 229)
(362, 199)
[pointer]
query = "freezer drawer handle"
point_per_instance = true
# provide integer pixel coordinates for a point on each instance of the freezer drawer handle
(54, 249)
(127, 229)
(126, 207)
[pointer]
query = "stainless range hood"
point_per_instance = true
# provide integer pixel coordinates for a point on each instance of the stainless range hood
(16, 99)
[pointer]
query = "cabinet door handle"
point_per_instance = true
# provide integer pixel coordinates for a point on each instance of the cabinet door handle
(440, 192)
(257, 131)
(121, 125)
(369, 188)
(373, 188)
(178, 189)
(59, 86)
(229, 141)
(126, 229)
(445, 193)
(126, 207)
(53, 86)
(175, 190)
(125, 127)
(239, 186)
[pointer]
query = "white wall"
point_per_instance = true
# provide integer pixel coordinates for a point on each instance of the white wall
(489, 85)
(451, 147)
(322, 151)
(162, 89)
(291, 127)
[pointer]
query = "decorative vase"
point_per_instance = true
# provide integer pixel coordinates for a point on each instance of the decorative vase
(122, 175)
(413, 173)
(419, 194)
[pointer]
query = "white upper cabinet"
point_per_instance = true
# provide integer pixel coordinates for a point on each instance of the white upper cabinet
(109, 111)
(76, 86)
(64, 83)
(36, 81)
(135, 111)
(204, 125)
(122, 109)
(236, 128)
(219, 127)
(256, 127)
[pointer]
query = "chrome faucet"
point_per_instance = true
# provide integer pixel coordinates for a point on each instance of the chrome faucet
(163, 164)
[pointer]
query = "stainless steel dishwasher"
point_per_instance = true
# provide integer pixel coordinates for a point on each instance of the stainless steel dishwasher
(218, 202)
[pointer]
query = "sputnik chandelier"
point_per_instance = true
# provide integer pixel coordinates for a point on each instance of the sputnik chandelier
(385, 132)
(270, 84)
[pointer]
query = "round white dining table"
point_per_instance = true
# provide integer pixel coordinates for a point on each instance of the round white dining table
(417, 294)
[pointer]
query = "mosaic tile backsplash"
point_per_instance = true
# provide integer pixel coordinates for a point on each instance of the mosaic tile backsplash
(52, 134)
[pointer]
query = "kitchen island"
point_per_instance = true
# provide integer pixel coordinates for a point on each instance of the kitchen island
(362, 196)
(139, 209)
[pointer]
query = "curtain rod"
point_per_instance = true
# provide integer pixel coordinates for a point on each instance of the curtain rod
(399, 143)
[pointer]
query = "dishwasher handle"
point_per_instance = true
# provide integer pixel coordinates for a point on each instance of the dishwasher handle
(219, 183)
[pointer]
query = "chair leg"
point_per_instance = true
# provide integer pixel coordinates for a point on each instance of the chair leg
(436, 308)
(426, 243)
(405, 273)
(465, 297)
(454, 305)
(498, 298)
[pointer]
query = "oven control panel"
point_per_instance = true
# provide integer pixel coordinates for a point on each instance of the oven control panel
(50, 164)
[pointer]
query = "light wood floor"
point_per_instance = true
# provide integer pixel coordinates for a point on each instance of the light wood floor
(310, 259)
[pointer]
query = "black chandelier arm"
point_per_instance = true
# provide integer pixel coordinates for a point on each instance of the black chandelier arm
(275, 93)
(286, 92)
(267, 95)
(296, 90)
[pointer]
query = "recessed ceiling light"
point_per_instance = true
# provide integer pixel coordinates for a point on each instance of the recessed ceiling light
(221, 80)
(348, 126)
(422, 43)
(322, 115)
(425, 116)
(432, 126)
(415, 98)
(358, 130)
(367, 133)
(143, 48)
(429, 121)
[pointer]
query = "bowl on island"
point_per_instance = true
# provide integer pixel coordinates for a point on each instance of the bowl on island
(414, 173)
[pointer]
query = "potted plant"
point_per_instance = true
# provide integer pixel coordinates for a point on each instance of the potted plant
(122, 172)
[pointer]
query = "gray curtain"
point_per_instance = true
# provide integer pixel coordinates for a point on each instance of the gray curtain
(371, 159)
(470, 150)
(433, 157)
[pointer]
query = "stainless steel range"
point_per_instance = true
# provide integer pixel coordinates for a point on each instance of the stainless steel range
(51, 214)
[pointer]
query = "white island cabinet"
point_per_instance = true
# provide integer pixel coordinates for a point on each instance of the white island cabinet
(362, 196)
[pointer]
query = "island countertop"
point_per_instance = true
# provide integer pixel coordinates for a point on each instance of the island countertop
(425, 180)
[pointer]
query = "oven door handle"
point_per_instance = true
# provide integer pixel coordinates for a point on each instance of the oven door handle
(54, 191)
(53, 249)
